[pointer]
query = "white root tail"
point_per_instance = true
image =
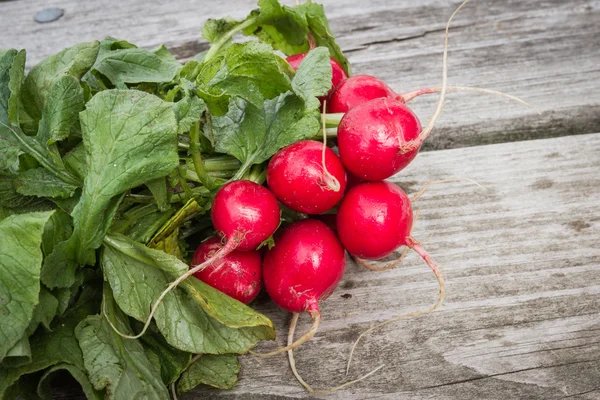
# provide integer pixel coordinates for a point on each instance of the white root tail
(408, 96)
(292, 361)
(413, 244)
(424, 189)
(316, 315)
(416, 143)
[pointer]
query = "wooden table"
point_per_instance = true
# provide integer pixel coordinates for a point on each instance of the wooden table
(521, 258)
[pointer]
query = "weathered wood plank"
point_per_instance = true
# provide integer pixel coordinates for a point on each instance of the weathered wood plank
(522, 317)
(546, 52)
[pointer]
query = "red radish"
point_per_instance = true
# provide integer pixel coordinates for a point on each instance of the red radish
(356, 90)
(337, 71)
(376, 139)
(302, 269)
(246, 209)
(298, 179)
(238, 274)
(374, 219)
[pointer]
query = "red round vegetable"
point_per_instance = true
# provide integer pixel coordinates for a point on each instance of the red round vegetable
(338, 74)
(356, 90)
(378, 138)
(298, 179)
(238, 274)
(374, 219)
(304, 267)
(246, 212)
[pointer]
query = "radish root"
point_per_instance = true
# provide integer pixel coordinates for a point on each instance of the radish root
(330, 181)
(316, 316)
(408, 96)
(424, 189)
(413, 244)
(292, 361)
(231, 245)
(416, 143)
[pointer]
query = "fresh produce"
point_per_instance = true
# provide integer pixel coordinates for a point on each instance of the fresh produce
(371, 137)
(246, 213)
(356, 90)
(237, 275)
(338, 75)
(307, 177)
(134, 210)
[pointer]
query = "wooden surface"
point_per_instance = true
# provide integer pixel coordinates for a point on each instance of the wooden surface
(521, 259)
(546, 52)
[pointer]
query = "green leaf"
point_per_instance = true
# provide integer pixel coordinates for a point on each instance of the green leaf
(219, 371)
(116, 364)
(44, 389)
(9, 146)
(158, 188)
(285, 28)
(248, 70)
(194, 317)
(253, 134)
(20, 354)
(17, 75)
(137, 144)
(313, 77)
(188, 111)
(44, 311)
(61, 111)
(57, 229)
(172, 361)
(321, 32)
(75, 161)
(215, 29)
(74, 61)
(57, 346)
(122, 62)
(164, 53)
(17, 203)
(20, 263)
(42, 183)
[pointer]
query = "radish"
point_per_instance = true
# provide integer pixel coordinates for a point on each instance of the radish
(374, 219)
(238, 274)
(245, 209)
(356, 90)
(381, 136)
(307, 177)
(337, 71)
(372, 136)
(302, 269)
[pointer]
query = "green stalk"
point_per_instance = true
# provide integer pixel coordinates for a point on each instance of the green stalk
(197, 157)
(216, 46)
(333, 120)
(184, 185)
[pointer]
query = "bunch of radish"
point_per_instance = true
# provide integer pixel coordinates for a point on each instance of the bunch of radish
(340, 194)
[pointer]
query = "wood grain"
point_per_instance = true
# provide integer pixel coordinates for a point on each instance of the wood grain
(546, 52)
(521, 261)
